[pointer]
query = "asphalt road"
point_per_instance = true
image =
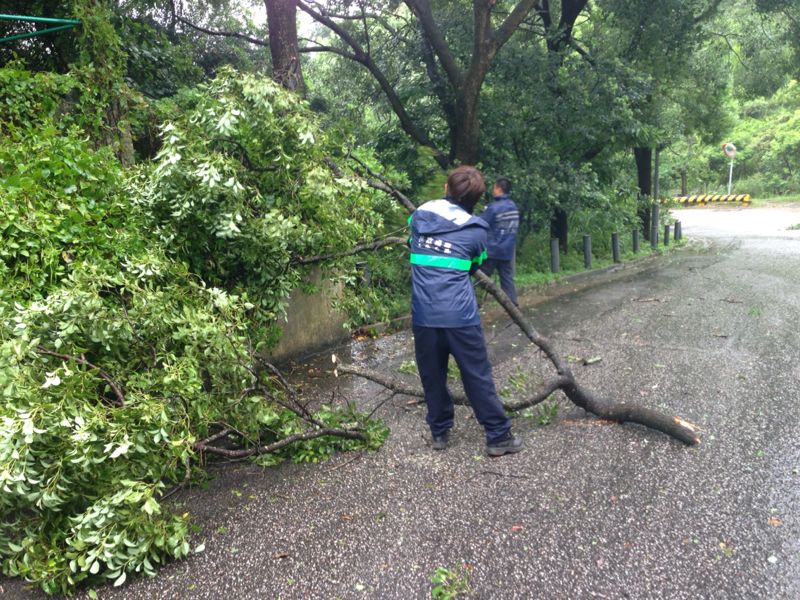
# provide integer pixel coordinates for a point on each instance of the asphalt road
(589, 509)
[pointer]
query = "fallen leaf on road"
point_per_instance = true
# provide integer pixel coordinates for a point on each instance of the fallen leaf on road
(774, 522)
(280, 555)
(346, 517)
(516, 528)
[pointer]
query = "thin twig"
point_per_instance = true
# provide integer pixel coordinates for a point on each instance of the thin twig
(381, 403)
(186, 478)
(82, 361)
(380, 183)
(377, 244)
(344, 464)
(298, 437)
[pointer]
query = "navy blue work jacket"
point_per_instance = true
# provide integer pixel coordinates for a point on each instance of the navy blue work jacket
(447, 243)
(502, 216)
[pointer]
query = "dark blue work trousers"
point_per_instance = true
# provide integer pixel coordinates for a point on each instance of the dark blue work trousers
(506, 270)
(433, 347)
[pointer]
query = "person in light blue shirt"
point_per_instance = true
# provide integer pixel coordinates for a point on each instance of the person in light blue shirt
(502, 216)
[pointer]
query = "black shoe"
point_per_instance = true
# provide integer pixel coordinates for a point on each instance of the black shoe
(440, 441)
(508, 444)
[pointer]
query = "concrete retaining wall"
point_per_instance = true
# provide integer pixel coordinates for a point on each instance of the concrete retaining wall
(311, 323)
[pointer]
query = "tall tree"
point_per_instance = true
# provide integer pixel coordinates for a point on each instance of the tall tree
(456, 77)
(282, 23)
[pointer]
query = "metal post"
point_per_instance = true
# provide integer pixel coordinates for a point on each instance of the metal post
(730, 177)
(587, 251)
(615, 246)
(555, 267)
(678, 231)
(654, 228)
(656, 186)
(666, 235)
(635, 239)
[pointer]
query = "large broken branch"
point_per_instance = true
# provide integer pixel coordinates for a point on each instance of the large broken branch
(564, 380)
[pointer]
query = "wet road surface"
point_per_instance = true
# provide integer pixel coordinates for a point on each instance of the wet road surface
(589, 509)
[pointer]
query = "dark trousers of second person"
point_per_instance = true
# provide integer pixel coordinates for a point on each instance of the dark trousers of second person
(506, 270)
(433, 347)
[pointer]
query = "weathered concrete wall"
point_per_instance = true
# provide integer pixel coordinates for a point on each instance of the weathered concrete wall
(311, 324)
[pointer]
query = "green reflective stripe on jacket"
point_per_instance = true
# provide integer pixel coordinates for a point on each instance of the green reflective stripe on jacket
(441, 262)
(478, 260)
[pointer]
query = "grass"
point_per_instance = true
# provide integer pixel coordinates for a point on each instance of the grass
(773, 200)
(572, 264)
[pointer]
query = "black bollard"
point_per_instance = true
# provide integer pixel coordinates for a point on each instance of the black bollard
(555, 267)
(654, 228)
(678, 232)
(666, 235)
(615, 246)
(635, 238)
(587, 251)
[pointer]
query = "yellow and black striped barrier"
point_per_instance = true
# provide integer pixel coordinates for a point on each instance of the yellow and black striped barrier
(706, 198)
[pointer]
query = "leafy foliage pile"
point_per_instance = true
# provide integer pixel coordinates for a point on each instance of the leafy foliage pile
(131, 308)
(241, 188)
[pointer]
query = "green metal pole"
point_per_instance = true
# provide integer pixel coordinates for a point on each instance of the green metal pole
(62, 24)
(30, 34)
(39, 19)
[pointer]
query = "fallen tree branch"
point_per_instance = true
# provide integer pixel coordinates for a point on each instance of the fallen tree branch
(399, 386)
(297, 437)
(82, 361)
(541, 394)
(585, 399)
(376, 245)
(187, 477)
(379, 182)
(396, 385)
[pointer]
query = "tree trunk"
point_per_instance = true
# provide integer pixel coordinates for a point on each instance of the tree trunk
(282, 25)
(684, 183)
(466, 134)
(559, 228)
(644, 173)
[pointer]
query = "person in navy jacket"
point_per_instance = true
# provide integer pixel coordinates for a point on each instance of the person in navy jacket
(447, 245)
(502, 216)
